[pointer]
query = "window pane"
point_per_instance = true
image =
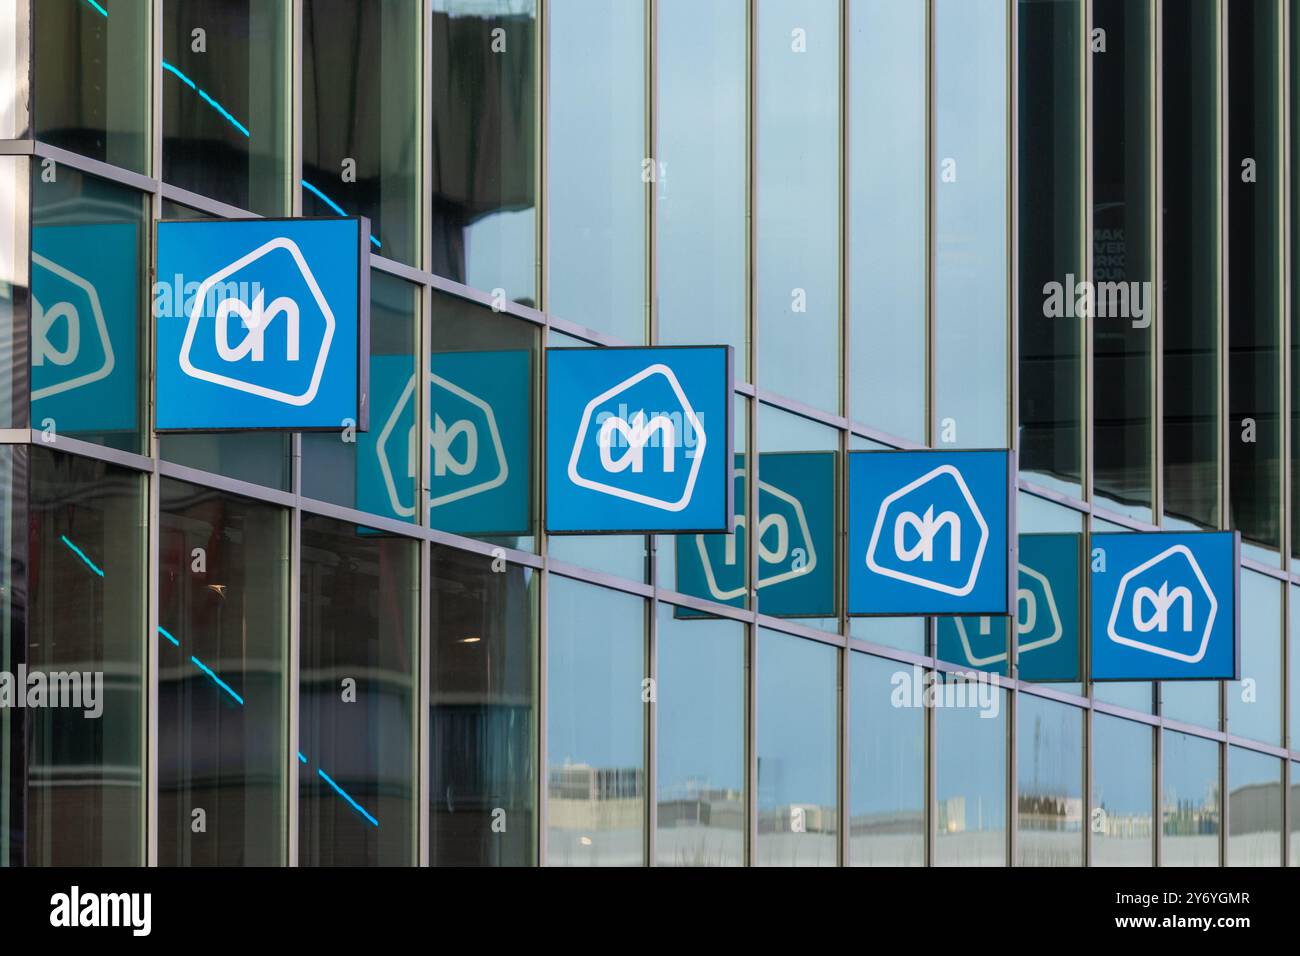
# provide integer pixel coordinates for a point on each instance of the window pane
(887, 215)
(88, 250)
(1293, 814)
(886, 763)
(1189, 805)
(1255, 702)
(100, 108)
(595, 732)
(492, 358)
(225, 101)
(82, 793)
(223, 632)
(15, 234)
(797, 169)
(483, 738)
(374, 470)
(13, 532)
(596, 148)
(971, 773)
(970, 305)
(701, 760)
(1123, 170)
(700, 199)
(360, 146)
(1049, 792)
(796, 727)
(357, 688)
(1051, 253)
(1254, 808)
(484, 144)
(14, 72)
(1122, 786)
(1190, 54)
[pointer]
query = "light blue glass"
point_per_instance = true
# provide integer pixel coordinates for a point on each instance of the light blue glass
(797, 160)
(970, 220)
(595, 730)
(970, 775)
(1122, 787)
(595, 155)
(700, 197)
(887, 215)
(701, 760)
(1254, 808)
(886, 766)
(1049, 789)
(797, 752)
(1255, 701)
(1190, 808)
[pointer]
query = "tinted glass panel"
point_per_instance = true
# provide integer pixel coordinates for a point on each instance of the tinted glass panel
(1122, 787)
(1049, 791)
(971, 776)
(1189, 802)
(1254, 809)
(357, 688)
(15, 238)
(223, 615)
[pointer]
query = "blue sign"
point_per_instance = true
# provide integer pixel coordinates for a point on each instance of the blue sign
(795, 535)
(1047, 617)
(1165, 605)
(638, 440)
(262, 323)
(85, 316)
(930, 532)
(480, 448)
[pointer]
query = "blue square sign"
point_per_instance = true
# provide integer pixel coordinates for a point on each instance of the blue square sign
(262, 323)
(1165, 605)
(930, 532)
(638, 440)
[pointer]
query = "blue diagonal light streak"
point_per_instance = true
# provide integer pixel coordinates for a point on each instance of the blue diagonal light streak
(98, 9)
(219, 682)
(179, 75)
(168, 634)
(333, 205)
(81, 554)
(346, 796)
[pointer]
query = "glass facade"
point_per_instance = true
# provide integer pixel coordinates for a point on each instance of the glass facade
(1063, 227)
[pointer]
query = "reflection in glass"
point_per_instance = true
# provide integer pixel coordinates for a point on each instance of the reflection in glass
(700, 200)
(482, 732)
(1255, 293)
(796, 732)
(225, 101)
(1049, 787)
(223, 633)
(595, 154)
(79, 797)
(1189, 801)
(1254, 809)
(1255, 702)
(886, 766)
(797, 169)
(595, 734)
(360, 145)
(970, 774)
(701, 741)
(357, 696)
(88, 246)
(1122, 787)
(1050, 96)
(1293, 814)
(887, 215)
(374, 470)
(1190, 151)
(92, 82)
(971, 316)
(484, 145)
(15, 236)
(1123, 170)
(15, 101)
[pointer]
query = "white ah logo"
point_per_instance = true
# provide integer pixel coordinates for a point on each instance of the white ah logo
(255, 320)
(636, 435)
(926, 528)
(1162, 601)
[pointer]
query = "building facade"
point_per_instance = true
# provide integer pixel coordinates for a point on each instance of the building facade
(1064, 227)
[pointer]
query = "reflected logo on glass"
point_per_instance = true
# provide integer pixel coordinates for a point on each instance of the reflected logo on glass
(283, 366)
(66, 315)
(648, 457)
(1038, 623)
(1165, 606)
(930, 533)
